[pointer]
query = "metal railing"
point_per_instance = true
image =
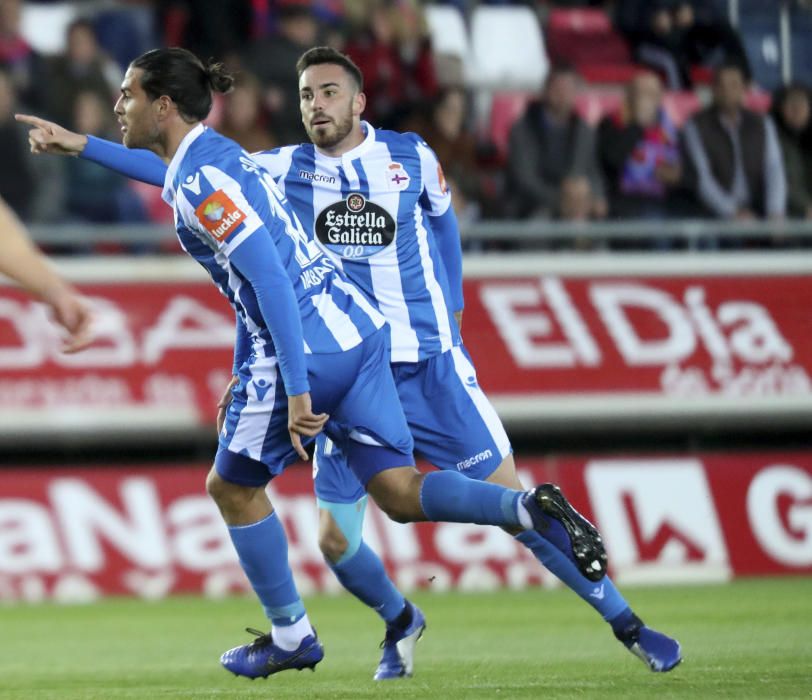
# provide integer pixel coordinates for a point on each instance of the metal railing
(689, 233)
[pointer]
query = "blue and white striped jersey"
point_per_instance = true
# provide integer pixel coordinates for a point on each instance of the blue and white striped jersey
(222, 200)
(370, 209)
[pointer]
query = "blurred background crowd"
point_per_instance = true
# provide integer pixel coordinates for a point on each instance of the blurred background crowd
(549, 110)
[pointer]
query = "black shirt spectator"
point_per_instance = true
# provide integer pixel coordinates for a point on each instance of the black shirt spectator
(552, 169)
(791, 113)
(735, 154)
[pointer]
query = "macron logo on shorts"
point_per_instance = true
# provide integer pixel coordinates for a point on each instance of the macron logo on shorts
(219, 215)
(476, 459)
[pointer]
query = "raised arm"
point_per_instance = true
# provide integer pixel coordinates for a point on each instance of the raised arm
(49, 137)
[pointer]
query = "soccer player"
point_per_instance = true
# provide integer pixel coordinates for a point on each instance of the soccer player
(302, 329)
(22, 262)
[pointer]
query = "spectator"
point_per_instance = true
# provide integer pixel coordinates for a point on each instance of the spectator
(735, 154)
(672, 35)
(393, 51)
(16, 179)
(552, 169)
(639, 154)
(447, 132)
(273, 60)
(83, 68)
(243, 119)
(26, 66)
(791, 113)
(95, 194)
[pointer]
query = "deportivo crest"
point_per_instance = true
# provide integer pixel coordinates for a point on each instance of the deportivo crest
(355, 227)
(396, 177)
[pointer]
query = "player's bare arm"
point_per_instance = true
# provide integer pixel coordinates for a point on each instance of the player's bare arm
(302, 421)
(24, 263)
(49, 137)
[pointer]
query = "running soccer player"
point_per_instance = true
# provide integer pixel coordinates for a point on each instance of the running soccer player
(301, 329)
(23, 263)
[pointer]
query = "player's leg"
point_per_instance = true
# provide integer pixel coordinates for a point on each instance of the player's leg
(379, 452)
(237, 483)
(342, 503)
(465, 433)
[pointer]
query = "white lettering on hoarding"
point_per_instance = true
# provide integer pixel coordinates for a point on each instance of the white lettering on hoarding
(86, 519)
(649, 327)
(522, 329)
(789, 543)
(658, 519)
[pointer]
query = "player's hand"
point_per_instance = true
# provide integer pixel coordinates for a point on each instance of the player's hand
(72, 313)
(49, 137)
(224, 403)
(302, 421)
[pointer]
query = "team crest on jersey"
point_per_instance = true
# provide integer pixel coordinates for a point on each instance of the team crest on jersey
(396, 177)
(219, 215)
(355, 227)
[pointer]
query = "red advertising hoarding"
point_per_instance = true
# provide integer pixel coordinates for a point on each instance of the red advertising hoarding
(648, 343)
(77, 534)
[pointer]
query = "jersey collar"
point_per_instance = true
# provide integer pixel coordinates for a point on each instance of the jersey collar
(360, 150)
(168, 194)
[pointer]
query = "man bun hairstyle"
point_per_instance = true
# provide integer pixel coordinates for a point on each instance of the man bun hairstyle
(325, 54)
(181, 76)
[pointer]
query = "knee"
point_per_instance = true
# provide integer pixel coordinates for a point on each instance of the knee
(332, 543)
(397, 493)
(228, 497)
(396, 509)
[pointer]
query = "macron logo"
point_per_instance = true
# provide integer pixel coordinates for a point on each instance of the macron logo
(476, 459)
(193, 183)
(597, 592)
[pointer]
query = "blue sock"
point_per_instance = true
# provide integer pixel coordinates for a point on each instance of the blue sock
(603, 596)
(447, 496)
(363, 575)
(263, 551)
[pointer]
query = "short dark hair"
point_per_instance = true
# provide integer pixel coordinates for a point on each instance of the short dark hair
(326, 54)
(728, 65)
(180, 75)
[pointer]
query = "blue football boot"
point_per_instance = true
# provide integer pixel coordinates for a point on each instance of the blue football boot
(262, 657)
(397, 660)
(658, 651)
(559, 523)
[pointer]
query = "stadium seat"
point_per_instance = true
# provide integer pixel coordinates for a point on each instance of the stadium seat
(760, 29)
(758, 100)
(585, 38)
(801, 46)
(507, 49)
(44, 27)
(593, 105)
(506, 108)
(449, 42)
(681, 105)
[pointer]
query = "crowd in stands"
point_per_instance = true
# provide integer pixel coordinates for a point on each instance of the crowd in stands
(650, 109)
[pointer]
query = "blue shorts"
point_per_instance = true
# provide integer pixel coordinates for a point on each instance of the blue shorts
(355, 387)
(453, 424)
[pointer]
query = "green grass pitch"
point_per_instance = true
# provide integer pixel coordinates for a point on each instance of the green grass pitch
(749, 639)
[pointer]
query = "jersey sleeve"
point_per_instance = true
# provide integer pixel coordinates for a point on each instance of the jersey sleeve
(242, 346)
(215, 206)
(135, 163)
(447, 235)
(276, 161)
(258, 263)
(435, 197)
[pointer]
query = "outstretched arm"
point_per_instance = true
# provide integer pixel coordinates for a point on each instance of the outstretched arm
(135, 163)
(23, 262)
